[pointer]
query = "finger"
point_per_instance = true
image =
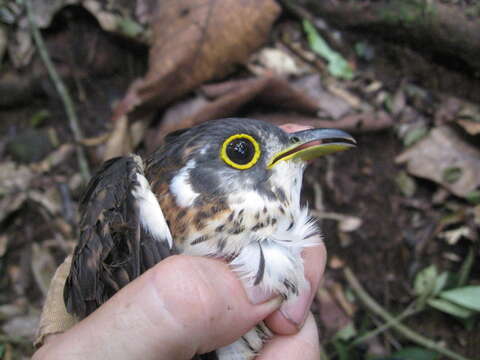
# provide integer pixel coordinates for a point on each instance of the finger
(291, 316)
(302, 345)
(182, 306)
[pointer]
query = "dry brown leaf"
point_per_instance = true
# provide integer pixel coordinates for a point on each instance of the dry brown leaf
(329, 105)
(277, 61)
(228, 97)
(119, 142)
(194, 41)
(442, 154)
(43, 267)
(354, 123)
(14, 181)
(22, 326)
(472, 127)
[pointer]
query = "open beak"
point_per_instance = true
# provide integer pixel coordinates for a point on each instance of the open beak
(313, 143)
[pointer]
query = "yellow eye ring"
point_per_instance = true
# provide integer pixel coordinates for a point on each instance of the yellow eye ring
(226, 158)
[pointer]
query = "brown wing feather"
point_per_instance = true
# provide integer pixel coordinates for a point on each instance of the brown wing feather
(113, 249)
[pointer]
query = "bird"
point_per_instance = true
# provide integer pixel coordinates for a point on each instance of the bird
(227, 189)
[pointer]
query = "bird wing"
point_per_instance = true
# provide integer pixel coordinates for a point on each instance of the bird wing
(122, 234)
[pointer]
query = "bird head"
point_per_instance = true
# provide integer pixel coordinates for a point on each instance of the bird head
(238, 156)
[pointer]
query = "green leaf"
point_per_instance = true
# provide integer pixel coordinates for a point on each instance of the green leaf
(342, 350)
(39, 117)
(337, 65)
(425, 281)
(415, 353)
(414, 135)
(473, 197)
(406, 183)
(129, 27)
(452, 174)
(450, 308)
(346, 333)
(467, 296)
(441, 282)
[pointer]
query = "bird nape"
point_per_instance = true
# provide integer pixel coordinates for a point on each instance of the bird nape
(227, 188)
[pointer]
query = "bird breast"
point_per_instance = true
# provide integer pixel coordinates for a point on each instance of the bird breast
(261, 238)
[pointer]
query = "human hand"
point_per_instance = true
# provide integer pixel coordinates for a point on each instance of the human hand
(181, 307)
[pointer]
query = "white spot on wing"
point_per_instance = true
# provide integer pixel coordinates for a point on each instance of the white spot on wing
(150, 213)
(181, 188)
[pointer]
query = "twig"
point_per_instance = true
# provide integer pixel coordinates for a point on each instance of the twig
(62, 91)
(405, 314)
(408, 333)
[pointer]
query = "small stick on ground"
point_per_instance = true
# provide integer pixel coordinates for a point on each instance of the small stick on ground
(408, 333)
(62, 91)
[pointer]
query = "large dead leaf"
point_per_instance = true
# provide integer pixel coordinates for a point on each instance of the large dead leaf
(444, 157)
(368, 121)
(14, 181)
(194, 41)
(464, 113)
(330, 105)
(226, 98)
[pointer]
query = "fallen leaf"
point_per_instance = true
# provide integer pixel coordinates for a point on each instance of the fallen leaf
(337, 65)
(23, 326)
(452, 236)
(120, 17)
(14, 181)
(414, 134)
(439, 151)
(349, 223)
(354, 123)
(195, 41)
(119, 143)
(406, 184)
(329, 104)
(472, 127)
(43, 267)
(228, 97)
(277, 61)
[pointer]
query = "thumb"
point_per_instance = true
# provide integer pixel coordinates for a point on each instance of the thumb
(181, 307)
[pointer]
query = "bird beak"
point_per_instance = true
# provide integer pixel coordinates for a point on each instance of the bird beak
(313, 143)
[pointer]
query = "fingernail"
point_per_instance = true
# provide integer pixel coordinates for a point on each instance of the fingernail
(256, 295)
(296, 310)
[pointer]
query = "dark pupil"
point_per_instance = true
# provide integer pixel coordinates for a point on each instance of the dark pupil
(240, 151)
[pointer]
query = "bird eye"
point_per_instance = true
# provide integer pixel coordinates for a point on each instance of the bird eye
(240, 151)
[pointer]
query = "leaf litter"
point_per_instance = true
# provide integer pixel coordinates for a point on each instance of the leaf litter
(206, 71)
